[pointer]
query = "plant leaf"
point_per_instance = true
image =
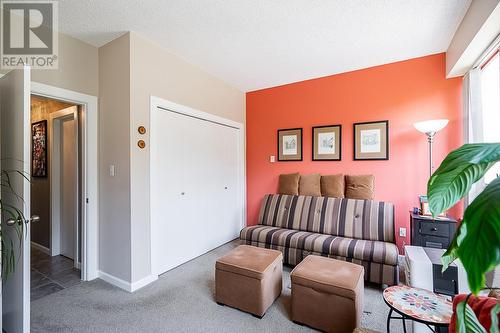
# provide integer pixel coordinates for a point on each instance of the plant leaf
(466, 320)
(451, 253)
(473, 153)
(494, 318)
(446, 189)
(479, 239)
(458, 172)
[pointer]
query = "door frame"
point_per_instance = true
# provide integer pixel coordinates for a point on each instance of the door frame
(90, 188)
(156, 102)
(55, 141)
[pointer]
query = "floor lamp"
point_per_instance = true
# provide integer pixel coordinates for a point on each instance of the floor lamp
(430, 128)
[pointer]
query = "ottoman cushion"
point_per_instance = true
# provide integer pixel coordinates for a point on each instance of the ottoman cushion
(248, 260)
(328, 275)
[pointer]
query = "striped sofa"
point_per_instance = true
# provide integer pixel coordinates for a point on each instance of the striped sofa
(359, 231)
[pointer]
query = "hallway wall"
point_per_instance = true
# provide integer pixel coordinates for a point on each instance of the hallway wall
(41, 108)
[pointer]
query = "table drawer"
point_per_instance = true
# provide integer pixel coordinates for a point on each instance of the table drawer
(435, 242)
(434, 229)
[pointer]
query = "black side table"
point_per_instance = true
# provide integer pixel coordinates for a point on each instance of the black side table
(432, 232)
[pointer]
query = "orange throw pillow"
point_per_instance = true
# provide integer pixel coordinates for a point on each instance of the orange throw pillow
(289, 184)
(310, 185)
(360, 187)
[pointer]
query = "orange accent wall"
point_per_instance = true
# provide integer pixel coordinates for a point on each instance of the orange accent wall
(403, 93)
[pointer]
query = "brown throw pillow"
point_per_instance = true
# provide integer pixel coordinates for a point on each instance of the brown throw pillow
(360, 187)
(333, 186)
(289, 184)
(310, 185)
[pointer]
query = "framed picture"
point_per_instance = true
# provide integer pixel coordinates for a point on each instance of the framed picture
(371, 140)
(39, 149)
(290, 144)
(327, 143)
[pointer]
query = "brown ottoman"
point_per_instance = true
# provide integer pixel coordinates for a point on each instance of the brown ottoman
(249, 278)
(327, 294)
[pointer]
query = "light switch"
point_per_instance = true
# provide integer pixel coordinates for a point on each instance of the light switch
(272, 158)
(111, 170)
(402, 232)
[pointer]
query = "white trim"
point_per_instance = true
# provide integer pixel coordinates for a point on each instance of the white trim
(25, 252)
(156, 102)
(55, 188)
(90, 190)
(127, 286)
(117, 282)
(55, 179)
(143, 282)
(39, 247)
(488, 52)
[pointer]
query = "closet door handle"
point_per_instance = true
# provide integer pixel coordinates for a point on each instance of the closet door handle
(183, 193)
(225, 187)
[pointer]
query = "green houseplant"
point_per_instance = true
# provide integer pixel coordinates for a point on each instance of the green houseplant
(13, 217)
(477, 241)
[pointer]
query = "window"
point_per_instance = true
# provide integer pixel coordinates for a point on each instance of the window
(490, 105)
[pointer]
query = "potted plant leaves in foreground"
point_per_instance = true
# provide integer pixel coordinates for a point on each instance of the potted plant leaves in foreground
(13, 218)
(477, 240)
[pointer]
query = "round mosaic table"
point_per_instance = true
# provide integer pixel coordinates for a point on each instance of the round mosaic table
(419, 305)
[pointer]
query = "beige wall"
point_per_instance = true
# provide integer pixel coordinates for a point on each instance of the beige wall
(124, 74)
(114, 149)
(154, 71)
(78, 67)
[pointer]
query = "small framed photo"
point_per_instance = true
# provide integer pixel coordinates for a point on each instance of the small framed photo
(371, 140)
(39, 149)
(424, 205)
(290, 144)
(327, 143)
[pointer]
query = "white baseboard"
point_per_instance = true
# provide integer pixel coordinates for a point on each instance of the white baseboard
(122, 284)
(42, 248)
(127, 286)
(143, 282)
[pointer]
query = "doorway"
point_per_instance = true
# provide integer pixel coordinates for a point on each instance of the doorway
(16, 88)
(55, 196)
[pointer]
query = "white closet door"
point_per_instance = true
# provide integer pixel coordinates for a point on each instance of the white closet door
(194, 180)
(225, 208)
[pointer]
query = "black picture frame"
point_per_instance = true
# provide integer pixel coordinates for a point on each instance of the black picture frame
(356, 157)
(39, 149)
(313, 152)
(280, 154)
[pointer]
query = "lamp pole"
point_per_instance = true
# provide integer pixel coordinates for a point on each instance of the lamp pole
(430, 139)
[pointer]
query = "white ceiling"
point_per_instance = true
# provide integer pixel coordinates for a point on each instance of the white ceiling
(255, 44)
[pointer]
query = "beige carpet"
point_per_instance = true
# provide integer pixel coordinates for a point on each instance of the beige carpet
(180, 301)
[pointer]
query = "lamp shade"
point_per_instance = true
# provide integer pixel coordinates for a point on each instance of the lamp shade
(431, 126)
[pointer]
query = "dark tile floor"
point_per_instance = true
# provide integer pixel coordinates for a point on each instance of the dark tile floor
(51, 274)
